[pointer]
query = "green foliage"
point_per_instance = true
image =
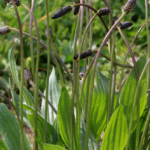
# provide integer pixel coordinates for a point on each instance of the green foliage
(115, 137)
(9, 129)
(128, 92)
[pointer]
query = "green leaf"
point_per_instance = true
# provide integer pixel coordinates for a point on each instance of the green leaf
(115, 136)
(52, 147)
(16, 104)
(53, 96)
(99, 106)
(9, 129)
(128, 92)
(64, 120)
(2, 145)
(26, 94)
(40, 123)
(92, 144)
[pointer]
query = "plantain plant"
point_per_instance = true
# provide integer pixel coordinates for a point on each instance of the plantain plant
(96, 112)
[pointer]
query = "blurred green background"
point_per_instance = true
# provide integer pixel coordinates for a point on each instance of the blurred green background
(63, 31)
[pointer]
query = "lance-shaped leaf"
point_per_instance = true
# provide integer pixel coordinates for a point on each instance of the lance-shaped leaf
(115, 136)
(9, 129)
(64, 120)
(128, 92)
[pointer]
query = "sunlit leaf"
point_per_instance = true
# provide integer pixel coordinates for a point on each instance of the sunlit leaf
(115, 136)
(128, 92)
(53, 96)
(64, 120)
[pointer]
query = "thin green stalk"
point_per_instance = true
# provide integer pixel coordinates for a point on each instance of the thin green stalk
(53, 57)
(148, 43)
(36, 77)
(74, 83)
(93, 75)
(77, 74)
(86, 42)
(48, 72)
(90, 24)
(131, 53)
(22, 77)
(31, 40)
(145, 130)
(62, 63)
(134, 102)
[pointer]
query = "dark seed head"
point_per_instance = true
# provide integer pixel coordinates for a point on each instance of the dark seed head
(104, 11)
(50, 32)
(76, 8)
(27, 74)
(84, 54)
(129, 5)
(4, 30)
(81, 75)
(125, 25)
(17, 2)
(61, 12)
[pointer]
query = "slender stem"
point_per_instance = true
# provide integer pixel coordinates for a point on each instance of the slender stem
(145, 130)
(73, 85)
(22, 77)
(76, 87)
(131, 53)
(36, 77)
(134, 102)
(148, 43)
(62, 63)
(93, 75)
(53, 57)
(31, 40)
(42, 95)
(85, 5)
(48, 72)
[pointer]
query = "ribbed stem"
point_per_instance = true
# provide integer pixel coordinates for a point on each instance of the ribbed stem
(22, 77)
(62, 63)
(48, 72)
(148, 57)
(36, 77)
(31, 40)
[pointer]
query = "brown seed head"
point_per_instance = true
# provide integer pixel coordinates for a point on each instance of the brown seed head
(27, 74)
(4, 30)
(129, 5)
(61, 12)
(84, 54)
(50, 32)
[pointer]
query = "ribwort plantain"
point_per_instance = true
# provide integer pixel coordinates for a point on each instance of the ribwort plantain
(104, 11)
(17, 2)
(4, 30)
(76, 8)
(129, 5)
(125, 25)
(61, 12)
(83, 55)
(50, 32)
(27, 74)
